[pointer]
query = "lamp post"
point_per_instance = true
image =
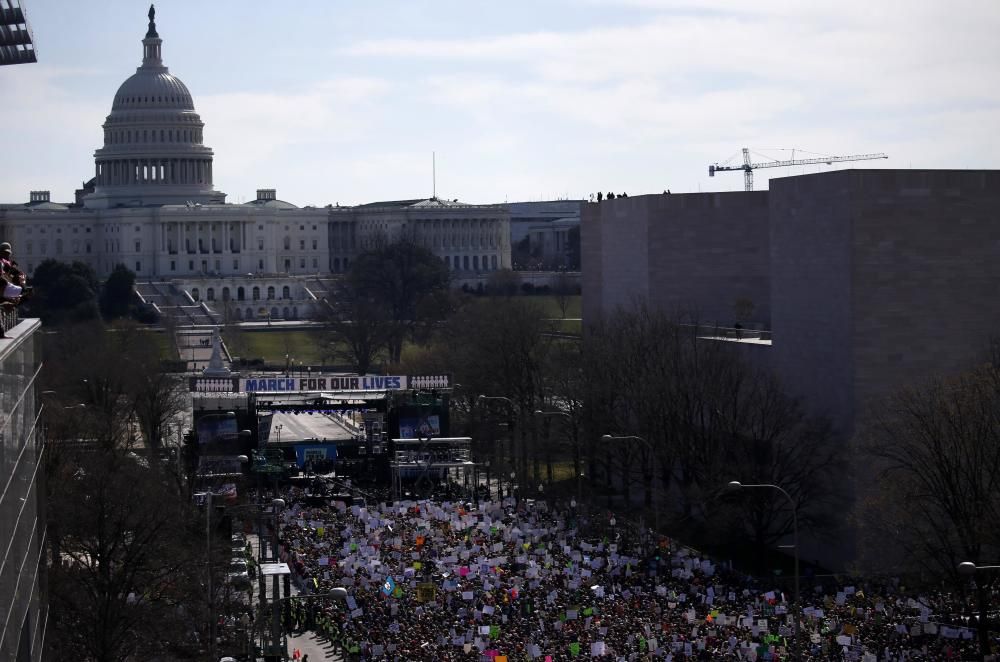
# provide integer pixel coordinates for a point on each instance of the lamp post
(278, 427)
(652, 452)
(969, 568)
(736, 485)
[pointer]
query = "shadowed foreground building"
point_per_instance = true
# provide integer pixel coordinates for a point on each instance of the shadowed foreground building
(861, 281)
(23, 600)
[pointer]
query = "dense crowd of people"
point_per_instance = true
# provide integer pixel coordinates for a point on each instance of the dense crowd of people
(504, 581)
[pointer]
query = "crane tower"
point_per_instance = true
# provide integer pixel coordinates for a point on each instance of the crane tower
(747, 167)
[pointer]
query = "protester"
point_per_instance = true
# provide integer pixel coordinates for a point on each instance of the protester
(14, 280)
(432, 580)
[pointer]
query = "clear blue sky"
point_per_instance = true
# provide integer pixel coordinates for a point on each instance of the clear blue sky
(344, 101)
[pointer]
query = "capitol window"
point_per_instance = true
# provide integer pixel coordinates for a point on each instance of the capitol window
(256, 291)
(270, 293)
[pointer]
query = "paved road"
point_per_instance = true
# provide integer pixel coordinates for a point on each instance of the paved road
(296, 427)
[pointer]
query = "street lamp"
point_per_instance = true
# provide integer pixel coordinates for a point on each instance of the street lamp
(734, 486)
(652, 452)
(969, 568)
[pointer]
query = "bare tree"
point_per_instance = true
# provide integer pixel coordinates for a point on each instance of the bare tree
(563, 288)
(498, 348)
(937, 488)
(503, 283)
(407, 282)
(704, 417)
(358, 333)
(123, 564)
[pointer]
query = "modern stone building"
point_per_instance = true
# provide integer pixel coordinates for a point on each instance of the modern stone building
(861, 281)
(881, 278)
(701, 256)
(152, 206)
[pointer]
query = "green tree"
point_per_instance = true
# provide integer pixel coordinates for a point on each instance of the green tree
(116, 295)
(64, 292)
(407, 281)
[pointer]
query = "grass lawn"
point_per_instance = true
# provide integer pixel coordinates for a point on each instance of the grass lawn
(273, 346)
(300, 344)
(550, 304)
(165, 344)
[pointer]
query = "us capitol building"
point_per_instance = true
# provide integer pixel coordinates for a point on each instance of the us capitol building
(152, 206)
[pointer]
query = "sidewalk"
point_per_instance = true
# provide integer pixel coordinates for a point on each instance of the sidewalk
(307, 642)
(317, 649)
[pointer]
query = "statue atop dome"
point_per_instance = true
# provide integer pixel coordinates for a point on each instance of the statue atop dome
(152, 23)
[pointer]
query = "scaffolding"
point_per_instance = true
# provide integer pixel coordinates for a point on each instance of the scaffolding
(426, 461)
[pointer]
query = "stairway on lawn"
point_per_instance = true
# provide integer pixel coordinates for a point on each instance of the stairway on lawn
(170, 301)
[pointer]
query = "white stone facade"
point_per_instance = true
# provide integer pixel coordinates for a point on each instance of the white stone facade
(152, 207)
(469, 238)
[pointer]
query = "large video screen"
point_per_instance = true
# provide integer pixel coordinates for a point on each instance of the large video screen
(421, 426)
(216, 428)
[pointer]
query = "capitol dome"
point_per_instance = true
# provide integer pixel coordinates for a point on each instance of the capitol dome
(153, 152)
(152, 89)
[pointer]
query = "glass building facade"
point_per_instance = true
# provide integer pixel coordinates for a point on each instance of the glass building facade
(23, 600)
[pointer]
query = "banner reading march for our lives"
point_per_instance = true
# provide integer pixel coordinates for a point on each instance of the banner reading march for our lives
(282, 383)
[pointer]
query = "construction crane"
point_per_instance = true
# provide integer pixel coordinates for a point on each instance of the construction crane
(747, 167)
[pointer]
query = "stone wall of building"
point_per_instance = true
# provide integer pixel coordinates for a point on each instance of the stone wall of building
(613, 250)
(708, 252)
(882, 278)
(811, 302)
(694, 255)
